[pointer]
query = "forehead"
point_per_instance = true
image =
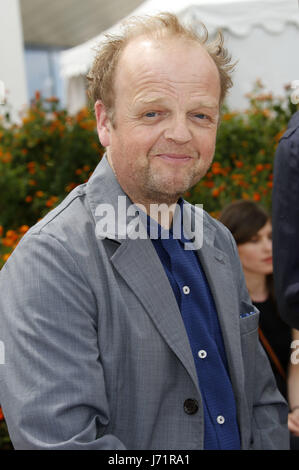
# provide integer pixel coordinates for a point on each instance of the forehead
(172, 63)
(266, 228)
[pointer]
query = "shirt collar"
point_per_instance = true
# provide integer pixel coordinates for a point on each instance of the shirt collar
(156, 231)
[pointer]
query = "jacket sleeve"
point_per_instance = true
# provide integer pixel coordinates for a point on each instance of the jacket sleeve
(285, 217)
(52, 385)
(269, 413)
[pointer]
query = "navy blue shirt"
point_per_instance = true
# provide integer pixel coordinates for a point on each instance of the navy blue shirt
(199, 314)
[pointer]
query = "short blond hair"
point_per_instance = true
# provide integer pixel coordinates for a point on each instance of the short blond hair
(161, 26)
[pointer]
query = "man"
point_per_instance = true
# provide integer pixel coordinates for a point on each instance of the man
(117, 341)
(286, 223)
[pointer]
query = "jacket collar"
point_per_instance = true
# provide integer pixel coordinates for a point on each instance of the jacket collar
(103, 188)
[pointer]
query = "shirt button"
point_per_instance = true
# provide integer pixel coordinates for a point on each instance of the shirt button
(202, 354)
(186, 290)
(190, 406)
(220, 419)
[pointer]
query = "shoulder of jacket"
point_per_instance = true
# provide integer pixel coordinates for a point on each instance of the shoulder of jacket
(65, 208)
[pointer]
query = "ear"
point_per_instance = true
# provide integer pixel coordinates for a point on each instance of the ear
(103, 123)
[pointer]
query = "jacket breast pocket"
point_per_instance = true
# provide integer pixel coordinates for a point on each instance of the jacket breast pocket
(249, 324)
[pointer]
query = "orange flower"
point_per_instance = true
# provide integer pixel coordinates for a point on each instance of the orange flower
(216, 192)
(8, 242)
(51, 201)
(82, 114)
(39, 193)
(23, 229)
(11, 234)
(1, 413)
(266, 113)
(7, 157)
(239, 164)
(216, 168)
(259, 167)
(89, 125)
(31, 167)
(227, 116)
(28, 199)
(256, 197)
(1, 230)
(208, 184)
(5, 258)
(279, 135)
(70, 186)
(237, 176)
(270, 184)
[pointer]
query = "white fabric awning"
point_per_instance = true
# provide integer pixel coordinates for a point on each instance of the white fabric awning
(238, 17)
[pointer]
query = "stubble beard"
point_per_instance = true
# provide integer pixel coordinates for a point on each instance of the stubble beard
(161, 189)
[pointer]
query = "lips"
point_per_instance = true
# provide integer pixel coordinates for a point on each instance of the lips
(174, 157)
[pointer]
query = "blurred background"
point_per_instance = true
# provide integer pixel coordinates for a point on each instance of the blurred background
(48, 138)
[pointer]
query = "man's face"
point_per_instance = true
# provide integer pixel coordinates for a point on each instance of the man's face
(166, 111)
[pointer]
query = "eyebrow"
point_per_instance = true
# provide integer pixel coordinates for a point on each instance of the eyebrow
(160, 100)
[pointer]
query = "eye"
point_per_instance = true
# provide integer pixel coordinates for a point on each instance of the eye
(151, 114)
(201, 116)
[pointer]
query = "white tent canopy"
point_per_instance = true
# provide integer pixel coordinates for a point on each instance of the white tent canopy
(263, 35)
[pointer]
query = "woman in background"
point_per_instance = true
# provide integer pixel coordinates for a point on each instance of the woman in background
(251, 228)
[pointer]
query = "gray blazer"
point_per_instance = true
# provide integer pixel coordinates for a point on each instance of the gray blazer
(96, 353)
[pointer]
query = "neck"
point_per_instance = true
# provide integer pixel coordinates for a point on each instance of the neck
(160, 212)
(257, 286)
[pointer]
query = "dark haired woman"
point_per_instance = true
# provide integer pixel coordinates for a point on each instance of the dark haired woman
(252, 230)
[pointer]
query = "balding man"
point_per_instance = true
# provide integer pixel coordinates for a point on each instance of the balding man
(119, 339)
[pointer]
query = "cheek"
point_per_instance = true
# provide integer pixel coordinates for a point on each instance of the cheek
(248, 257)
(205, 144)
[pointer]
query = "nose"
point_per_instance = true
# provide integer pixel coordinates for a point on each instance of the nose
(267, 245)
(178, 131)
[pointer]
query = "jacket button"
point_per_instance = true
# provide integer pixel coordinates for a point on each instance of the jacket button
(190, 406)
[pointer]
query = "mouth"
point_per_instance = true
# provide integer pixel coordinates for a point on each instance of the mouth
(174, 157)
(268, 260)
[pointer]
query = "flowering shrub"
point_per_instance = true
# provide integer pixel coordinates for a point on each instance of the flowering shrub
(42, 159)
(50, 153)
(245, 150)
(5, 443)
